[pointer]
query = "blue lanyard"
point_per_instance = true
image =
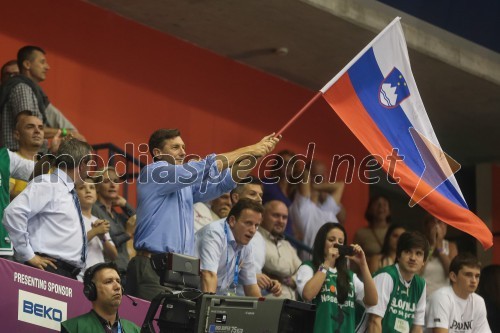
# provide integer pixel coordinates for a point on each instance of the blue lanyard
(110, 328)
(236, 269)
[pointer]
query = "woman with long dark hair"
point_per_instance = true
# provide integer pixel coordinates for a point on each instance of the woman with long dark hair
(378, 215)
(388, 255)
(327, 282)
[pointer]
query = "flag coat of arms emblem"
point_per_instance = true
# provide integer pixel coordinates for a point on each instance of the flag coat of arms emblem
(393, 89)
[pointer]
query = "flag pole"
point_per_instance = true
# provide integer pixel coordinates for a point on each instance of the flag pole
(304, 108)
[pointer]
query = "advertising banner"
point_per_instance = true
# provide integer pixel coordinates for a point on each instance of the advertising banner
(37, 301)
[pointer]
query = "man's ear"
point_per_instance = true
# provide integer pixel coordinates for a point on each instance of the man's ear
(232, 221)
(16, 134)
(82, 170)
(453, 277)
(156, 152)
(26, 65)
(234, 198)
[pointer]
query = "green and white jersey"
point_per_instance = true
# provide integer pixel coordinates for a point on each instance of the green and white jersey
(11, 165)
(330, 316)
(401, 304)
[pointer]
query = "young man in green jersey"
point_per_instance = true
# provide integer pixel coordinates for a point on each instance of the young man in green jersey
(401, 301)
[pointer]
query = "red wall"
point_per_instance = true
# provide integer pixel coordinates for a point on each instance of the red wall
(118, 81)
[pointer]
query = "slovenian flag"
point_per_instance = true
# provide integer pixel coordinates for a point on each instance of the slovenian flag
(377, 98)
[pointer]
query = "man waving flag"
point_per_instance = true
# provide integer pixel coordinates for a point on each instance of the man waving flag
(377, 98)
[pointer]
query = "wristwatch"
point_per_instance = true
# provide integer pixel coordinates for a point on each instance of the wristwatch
(322, 269)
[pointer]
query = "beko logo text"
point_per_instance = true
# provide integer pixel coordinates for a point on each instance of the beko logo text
(43, 311)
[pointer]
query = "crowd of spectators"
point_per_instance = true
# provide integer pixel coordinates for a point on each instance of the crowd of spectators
(64, 221)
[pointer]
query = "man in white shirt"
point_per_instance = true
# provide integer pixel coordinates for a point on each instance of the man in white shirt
(281, 259)
(253, 191)
(457, 308)
(226, 260)
(316, 202)
(45, 221)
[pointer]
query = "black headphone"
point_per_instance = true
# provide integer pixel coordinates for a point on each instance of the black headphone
(89, 288)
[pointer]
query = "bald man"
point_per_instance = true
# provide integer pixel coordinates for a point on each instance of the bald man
(281, 260)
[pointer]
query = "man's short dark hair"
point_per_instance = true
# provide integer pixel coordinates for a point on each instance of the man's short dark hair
(464, 259)
(72, 153)
(245, 204)
(157, 139)
(21, 114)
(26, 53)
(412, 240)
(2, 71)
(91, 271)
(98, 177)
(240, 186)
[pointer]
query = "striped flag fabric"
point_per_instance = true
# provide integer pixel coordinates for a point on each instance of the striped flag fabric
(376, 96)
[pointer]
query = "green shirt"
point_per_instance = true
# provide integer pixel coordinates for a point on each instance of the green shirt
(89, 323)
(402, 304)
(5, 244)
(330, 316)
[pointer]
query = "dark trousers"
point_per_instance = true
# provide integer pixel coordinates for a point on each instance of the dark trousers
(142, 280)
(63, 268)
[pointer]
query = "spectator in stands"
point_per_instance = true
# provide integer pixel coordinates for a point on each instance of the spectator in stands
(108, 198)
(327, 282)
(489, 289)
(314, 204)
(401, 301)
(378, 215)
(322, 189)
(11, 165)
(253, 191)
(435, 271)
(99, 240)
(280, 184)
(222, 205)
(225, 256)
(23, 93)
(457, 308)
(45, 222)
(281, 260)
(216, 209)
(166, 192)
(29, 135)
(9, 69)
(102, 286)
(388, 255)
